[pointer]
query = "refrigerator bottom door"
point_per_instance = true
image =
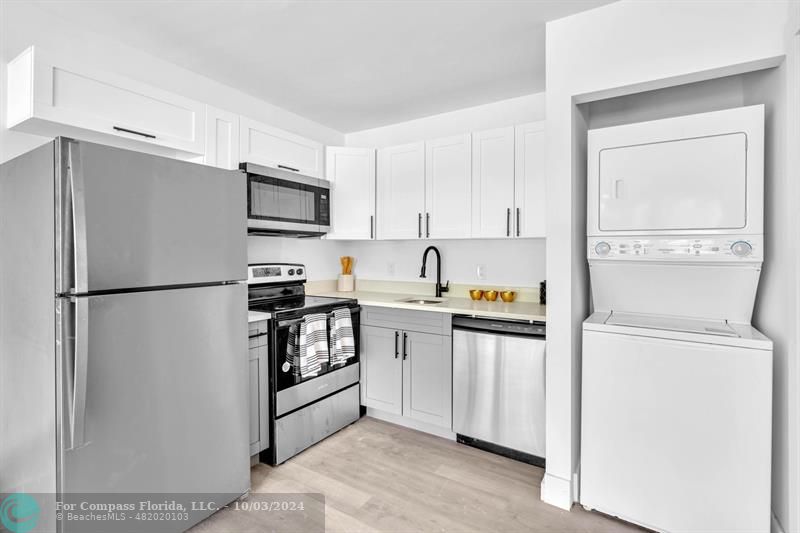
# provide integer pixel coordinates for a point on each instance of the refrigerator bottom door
(162, 379)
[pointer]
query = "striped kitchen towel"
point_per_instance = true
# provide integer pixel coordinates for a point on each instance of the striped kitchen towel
(343, 343)
(313, 344)
(292, 358)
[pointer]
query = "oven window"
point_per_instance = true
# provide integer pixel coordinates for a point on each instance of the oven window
(284, 380)
(285, 201)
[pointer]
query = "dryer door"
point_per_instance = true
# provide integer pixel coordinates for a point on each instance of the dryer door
(684, 184)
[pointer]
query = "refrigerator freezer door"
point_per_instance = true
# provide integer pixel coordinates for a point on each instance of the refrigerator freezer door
(128, 220)
(155, 396)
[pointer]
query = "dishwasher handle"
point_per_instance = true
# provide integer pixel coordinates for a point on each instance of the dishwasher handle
(500, 326)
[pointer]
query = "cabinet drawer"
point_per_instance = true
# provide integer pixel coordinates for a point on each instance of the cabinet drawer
(299, 430)
(258, 334)
(404, 319)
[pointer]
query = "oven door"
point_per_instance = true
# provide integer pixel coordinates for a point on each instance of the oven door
(293, 391)
(282, 202)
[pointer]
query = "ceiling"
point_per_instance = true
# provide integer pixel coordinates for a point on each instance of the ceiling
(347, 64)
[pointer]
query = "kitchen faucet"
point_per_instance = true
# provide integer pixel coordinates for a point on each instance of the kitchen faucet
(439, 288)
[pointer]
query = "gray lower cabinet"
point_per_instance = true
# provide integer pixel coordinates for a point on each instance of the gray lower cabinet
(428, 378)
(407, 372)
(381, 369)
(259, 381)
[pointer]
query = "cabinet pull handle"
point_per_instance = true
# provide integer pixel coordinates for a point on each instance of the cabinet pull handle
(284, 167)
(518, 222)
(396, 349)
(419, 225)
(508, 222)
(405, 353)
(427, 225)
(371, 227)
(126, 130)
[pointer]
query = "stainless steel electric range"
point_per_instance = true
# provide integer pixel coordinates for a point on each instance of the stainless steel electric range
(303, 409)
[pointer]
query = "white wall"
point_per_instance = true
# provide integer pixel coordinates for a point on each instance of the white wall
(516, 263)
(622, 48)
(23, 24)
(321, 257)
(529, 108)
(776, 312)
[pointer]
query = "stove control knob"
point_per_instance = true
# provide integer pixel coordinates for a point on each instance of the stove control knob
(299, 271)
(602, 248)
(741, 249)
(291, 272)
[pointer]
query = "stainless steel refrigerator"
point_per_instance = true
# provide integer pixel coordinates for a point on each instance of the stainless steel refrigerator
(123, 325)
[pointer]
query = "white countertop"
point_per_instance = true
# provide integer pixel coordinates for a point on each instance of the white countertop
(456, 306)
(255, 316)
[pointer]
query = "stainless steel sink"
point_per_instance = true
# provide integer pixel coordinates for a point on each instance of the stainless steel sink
(423, 301)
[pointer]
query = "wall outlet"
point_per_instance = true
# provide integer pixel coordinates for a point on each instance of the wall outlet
(481, 272)
(390, 269)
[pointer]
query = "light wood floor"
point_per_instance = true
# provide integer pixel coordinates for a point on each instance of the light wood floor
(378, 476)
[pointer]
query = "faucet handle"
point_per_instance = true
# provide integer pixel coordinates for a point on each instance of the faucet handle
(445, 287)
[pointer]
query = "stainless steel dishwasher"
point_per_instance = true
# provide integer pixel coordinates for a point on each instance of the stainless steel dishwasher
(498, 386)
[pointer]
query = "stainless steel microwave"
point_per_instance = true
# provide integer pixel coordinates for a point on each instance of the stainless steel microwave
(285, 203)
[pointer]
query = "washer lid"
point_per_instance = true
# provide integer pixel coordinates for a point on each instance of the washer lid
(678, 328)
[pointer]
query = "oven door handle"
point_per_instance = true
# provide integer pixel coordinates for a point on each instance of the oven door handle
(292, 322)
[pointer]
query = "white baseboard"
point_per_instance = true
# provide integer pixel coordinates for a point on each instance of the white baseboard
(776, 526)
(411, 423)
(557, 491)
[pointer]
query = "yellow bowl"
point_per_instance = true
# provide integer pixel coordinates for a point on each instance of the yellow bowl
(508, 296)
(490, 295)
(475, 294)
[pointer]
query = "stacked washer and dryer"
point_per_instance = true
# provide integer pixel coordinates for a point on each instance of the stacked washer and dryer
(676, 383)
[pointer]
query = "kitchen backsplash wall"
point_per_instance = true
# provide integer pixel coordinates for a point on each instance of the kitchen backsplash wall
(321, 257)
(515, 263)
(512, 263)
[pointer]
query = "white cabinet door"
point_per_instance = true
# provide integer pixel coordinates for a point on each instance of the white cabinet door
(493, 183)
(448, 188)
(273, 147)
(222, 138)
(51, 99)
(351, 172)
(401, 191)
(381, 369)
(427, 378)
(529, 188)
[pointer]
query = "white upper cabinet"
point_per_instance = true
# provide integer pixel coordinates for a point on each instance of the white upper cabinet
(351, 172)
(529, 188)
(493, 183)
(401, 191)
(273, 147)
(51, 99)
(222, 138)
(448, 188)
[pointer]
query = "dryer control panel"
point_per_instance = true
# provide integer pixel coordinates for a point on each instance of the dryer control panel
(741, 248)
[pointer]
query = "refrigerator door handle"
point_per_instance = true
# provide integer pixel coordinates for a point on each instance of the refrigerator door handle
(80, 259)
(77, 409)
